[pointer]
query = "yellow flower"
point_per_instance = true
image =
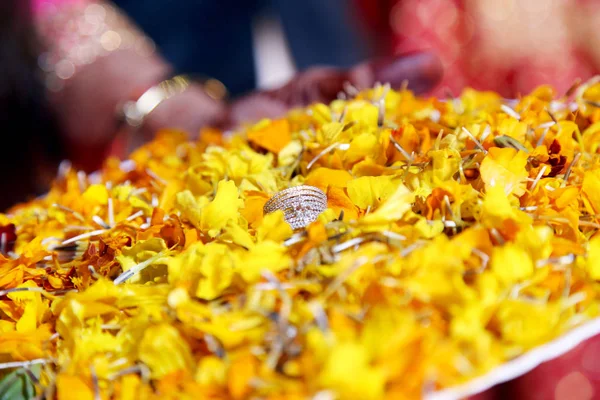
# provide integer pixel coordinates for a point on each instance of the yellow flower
(149, 251)
(593, 258)
(96, 194)
(511, 263)
(215, 215)
(525, 324)
(274, 136)
(222, 210)
(497, 209)
(445, 163)
(348, 371)
(274, 228)
(289, 154)
(265, 256)
(513, 128)
(207, 269)
(363, 146)
(326, 177)
(591, 189)
(72, 387)
(591, 137)
(338, 201)
(505, 167)
(164, 350)
(211, 371)
(370, 191)
(392, 209)
(33, 308)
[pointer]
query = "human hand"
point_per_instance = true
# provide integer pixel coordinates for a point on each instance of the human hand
(194, 109)
(188, 111)
(87, 106)
(421, 71)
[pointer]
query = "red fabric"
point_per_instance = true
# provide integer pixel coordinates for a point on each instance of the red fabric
(475, 55)
(573, 376)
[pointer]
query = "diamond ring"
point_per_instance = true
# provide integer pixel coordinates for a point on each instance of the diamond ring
(301, 205)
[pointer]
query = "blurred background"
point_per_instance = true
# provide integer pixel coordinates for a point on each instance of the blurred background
(68, 66)
(509, 46)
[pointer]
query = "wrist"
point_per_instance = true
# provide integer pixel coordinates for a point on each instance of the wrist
(85, 107)
(140, 108)
(188, 111)
(134, 112)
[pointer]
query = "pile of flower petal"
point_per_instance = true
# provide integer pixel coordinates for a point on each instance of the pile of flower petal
(460, 234)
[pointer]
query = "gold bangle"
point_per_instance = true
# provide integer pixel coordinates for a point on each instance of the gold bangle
(215, 89)
(134, 112)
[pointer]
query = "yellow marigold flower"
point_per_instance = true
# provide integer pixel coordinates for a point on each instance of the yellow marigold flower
(458, 234)
(511, 263)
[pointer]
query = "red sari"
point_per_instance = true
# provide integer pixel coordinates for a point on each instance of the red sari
(506, 46)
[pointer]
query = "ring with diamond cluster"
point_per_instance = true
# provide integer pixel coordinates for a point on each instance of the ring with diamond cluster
(301, 205)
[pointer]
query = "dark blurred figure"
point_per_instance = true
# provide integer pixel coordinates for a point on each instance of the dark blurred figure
(215, 38)
(29, 136)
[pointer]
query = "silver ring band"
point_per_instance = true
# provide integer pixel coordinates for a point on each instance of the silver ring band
(301, 205)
